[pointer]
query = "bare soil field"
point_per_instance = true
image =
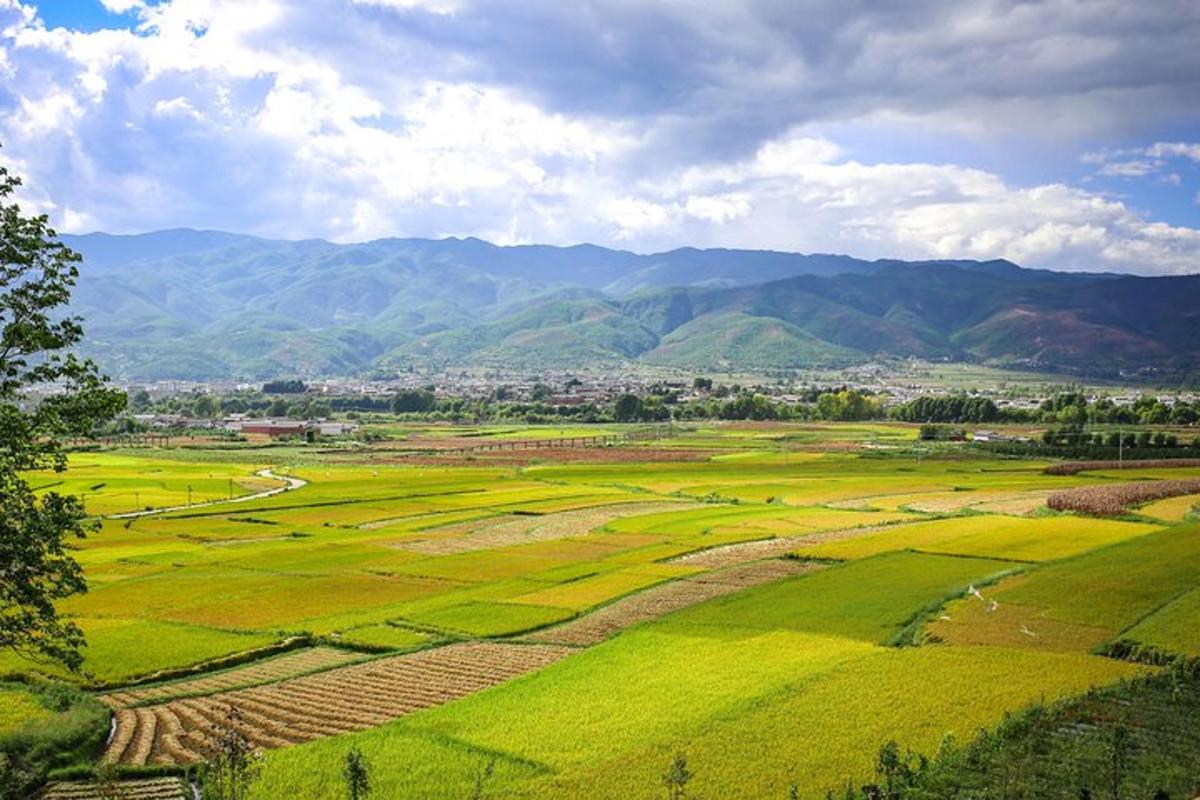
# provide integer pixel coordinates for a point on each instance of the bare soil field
(524, 529)
(340, 700)
(666, 598)
(290, 665)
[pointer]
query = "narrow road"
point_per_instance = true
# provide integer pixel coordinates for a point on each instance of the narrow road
(289, 484)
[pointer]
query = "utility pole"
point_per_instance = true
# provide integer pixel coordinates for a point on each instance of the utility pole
(231, 488)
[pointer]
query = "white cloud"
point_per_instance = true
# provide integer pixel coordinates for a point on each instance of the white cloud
(718, 209)
(123, 6)
(544, 124)
(1137, 168)
(1175, 149)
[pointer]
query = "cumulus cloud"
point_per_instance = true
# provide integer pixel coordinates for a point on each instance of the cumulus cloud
(651, 126)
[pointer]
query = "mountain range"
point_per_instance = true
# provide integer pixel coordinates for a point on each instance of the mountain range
(206, 305)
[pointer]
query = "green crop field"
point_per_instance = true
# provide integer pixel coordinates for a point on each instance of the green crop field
(776, 605)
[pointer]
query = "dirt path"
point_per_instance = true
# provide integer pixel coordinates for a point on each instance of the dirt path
(289, 484)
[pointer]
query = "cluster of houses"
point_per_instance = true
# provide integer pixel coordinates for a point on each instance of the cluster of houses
(274, 427)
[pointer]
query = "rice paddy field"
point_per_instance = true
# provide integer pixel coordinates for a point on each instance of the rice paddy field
(776, 606)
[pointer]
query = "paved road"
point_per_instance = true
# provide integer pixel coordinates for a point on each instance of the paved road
(290, 483)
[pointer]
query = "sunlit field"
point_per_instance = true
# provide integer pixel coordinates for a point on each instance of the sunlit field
(776, 607)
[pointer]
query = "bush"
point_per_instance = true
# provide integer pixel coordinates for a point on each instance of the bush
(72, 737)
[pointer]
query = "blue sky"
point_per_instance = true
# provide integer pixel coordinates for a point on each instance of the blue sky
(1055, 133)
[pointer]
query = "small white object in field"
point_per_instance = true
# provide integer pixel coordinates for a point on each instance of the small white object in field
(1027, 632)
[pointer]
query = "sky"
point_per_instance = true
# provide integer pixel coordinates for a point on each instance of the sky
(1055, 133)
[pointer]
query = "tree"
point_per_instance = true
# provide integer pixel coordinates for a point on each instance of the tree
(47, 394)
(235, 765)
(356, 772)
(628, 408)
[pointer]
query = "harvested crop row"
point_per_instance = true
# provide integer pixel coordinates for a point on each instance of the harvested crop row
(1075, 467)
(273, 669)
(666, 598)
(1113, 500)
(336, 701)
(464, 538)
(151, 789)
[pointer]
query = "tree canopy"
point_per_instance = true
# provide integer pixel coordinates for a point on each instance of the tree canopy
(46, 394)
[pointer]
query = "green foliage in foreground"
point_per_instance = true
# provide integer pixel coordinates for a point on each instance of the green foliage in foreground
(69, 734)
(1134, 740)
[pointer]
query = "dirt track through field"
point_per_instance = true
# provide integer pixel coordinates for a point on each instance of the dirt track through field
(665, 598)
(513, 530)
(336, 701)
(310, 659)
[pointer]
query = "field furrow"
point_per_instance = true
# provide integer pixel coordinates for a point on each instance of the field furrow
(507, 531)
(286, 666)
(148, 789)
(335, 701)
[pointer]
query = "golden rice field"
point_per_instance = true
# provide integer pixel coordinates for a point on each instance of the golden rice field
(776, 607)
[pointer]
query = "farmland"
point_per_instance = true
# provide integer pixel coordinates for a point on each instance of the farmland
(776, 607)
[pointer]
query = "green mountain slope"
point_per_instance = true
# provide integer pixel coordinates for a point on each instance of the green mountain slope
(205, 304)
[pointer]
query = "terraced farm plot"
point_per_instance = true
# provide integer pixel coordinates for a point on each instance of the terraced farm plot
(325, 704)
(837, 720)
(289, 665)
(491, 619)
(1174, 628)
(587, 592)
(868, 599)
(120, 650)
(606, 722)
(1081, 602)
(509, 531)
(660, 600)
(145, 789)
(987, 536)
(1173, 509)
